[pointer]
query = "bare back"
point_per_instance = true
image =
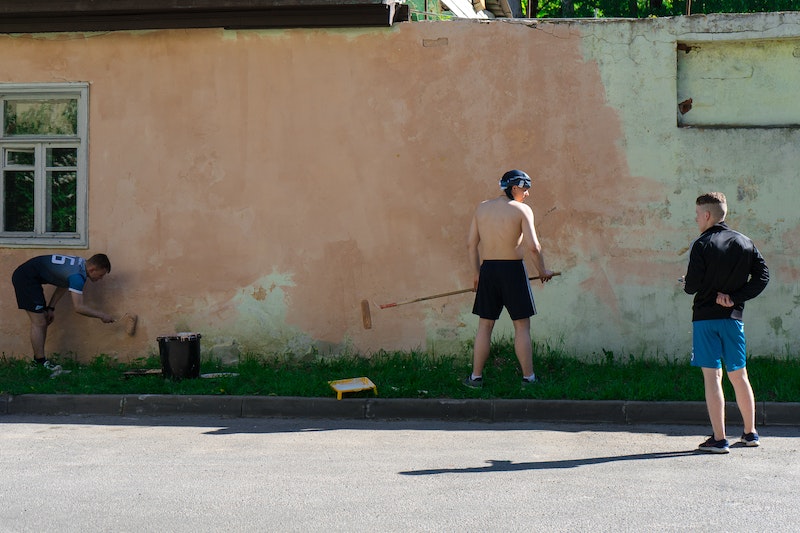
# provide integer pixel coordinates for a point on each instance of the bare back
(500, 226)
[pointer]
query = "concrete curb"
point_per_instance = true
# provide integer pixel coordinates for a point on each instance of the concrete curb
(609, 411)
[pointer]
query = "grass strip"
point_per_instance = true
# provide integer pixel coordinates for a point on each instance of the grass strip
(412, 375)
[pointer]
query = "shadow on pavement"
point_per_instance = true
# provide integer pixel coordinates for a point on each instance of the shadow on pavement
(508, 466)
(220, 426)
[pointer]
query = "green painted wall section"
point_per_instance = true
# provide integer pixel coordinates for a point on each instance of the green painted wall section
(757, 168)
(739, 83)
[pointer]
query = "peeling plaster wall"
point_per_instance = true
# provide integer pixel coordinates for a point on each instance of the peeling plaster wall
(739, 83)
(256, 186)
(755, 167)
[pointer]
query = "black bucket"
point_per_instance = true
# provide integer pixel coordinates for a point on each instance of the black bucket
(180, 355)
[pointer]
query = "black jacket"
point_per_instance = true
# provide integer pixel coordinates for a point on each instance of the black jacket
(723, 260)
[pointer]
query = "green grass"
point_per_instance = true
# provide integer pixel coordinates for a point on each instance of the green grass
(413, 375)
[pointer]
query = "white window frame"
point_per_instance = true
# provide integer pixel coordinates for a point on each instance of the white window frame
(43, 91)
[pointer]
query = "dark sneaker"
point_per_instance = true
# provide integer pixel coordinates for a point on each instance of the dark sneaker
(476, 383)
(529, 382)
(714, 446)
(749, 439)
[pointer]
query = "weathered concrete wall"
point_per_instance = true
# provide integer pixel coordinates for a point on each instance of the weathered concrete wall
(256, 186)
(755, 167)
(739, 83)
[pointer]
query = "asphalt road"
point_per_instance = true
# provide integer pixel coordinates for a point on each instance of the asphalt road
(201, 473)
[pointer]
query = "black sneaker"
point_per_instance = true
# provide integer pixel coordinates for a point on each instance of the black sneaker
(476, 383)
(750, 439)
(529, 382)
(714, 446)
(44, 363)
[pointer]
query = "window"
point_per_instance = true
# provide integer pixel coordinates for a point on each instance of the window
(43, 160)
(738, 84)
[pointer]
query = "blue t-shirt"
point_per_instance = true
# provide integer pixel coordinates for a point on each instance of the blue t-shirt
(65, 271)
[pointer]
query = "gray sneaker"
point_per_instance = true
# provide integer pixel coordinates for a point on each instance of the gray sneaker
(526, 383)
(476, 383)
(55, 370)
(51, 367)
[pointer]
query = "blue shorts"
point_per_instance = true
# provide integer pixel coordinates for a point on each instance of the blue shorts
(503, 283)
(714, 341)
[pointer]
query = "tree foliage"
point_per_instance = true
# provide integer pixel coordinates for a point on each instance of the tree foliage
(51, 118)
(648, 8)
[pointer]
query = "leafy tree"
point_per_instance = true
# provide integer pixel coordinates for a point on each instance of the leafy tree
(41, 117)
(19, 201)
(422, 9)
(648, 8)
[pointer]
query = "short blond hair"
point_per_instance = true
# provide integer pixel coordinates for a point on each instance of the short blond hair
(715, 203)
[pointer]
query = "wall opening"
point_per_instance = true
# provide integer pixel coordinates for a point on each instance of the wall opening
(738, 84)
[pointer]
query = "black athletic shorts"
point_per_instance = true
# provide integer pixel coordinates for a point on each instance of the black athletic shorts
(30, 295)
(504, 283)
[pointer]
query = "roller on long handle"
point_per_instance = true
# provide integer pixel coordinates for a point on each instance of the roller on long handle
(442, 295)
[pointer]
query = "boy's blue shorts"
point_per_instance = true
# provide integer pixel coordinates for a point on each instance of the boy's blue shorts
(714, 341)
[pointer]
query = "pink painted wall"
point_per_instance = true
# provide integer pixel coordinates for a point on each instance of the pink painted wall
(256, 186)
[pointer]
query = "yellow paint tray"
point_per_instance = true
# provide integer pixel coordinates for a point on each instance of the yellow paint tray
(352, 385)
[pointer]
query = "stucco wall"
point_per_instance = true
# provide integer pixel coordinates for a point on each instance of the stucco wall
(256, 186)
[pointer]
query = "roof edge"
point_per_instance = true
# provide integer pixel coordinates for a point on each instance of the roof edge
(44, 16)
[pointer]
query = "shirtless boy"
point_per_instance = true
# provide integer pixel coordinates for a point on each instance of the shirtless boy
(501, 230)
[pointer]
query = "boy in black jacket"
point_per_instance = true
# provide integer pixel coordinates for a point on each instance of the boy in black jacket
(725, 270)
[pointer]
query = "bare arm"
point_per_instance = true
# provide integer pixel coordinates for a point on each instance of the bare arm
(57, 294)
(529, 237)
(49, 311)
(473, 240)
(83, 309)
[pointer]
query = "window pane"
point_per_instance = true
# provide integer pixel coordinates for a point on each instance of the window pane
(18, 208)
(62, 157)
(20, 156)
(62, 187)
(40, 117)
(43, 151)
